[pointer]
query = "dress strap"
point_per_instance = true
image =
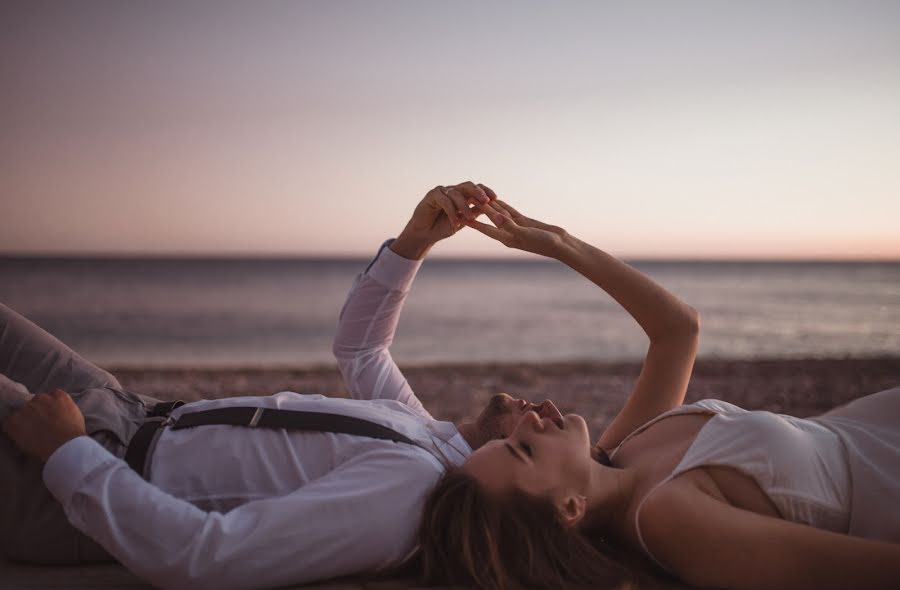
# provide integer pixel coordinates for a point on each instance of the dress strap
(704, 406)
(637, 525)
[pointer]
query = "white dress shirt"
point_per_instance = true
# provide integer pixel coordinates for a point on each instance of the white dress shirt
(231, 507)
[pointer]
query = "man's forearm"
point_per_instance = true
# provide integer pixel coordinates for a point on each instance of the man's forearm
(371, 311)
(410, 246)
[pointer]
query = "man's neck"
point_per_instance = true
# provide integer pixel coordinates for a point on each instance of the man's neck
(469, 432)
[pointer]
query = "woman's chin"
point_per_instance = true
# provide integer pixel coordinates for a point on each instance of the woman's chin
(578, 424)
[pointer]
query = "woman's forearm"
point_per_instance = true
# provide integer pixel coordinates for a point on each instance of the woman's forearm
(660, 313)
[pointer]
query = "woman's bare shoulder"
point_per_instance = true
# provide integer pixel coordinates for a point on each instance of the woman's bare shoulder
(709, 543)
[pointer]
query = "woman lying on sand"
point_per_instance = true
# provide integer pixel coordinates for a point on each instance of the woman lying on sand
(718, 496)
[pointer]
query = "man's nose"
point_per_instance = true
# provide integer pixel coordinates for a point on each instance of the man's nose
(524, 406)
(529, 419)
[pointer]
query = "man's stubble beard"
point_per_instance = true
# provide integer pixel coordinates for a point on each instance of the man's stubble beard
(489, 420)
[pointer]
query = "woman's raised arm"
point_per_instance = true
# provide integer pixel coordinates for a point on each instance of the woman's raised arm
(672, 325)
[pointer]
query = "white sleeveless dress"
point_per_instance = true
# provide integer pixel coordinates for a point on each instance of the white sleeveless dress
(839, 471)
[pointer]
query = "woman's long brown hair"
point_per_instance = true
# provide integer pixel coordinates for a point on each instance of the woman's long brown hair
(509, 541)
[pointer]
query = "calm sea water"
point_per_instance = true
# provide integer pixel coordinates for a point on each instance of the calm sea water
(178, 312)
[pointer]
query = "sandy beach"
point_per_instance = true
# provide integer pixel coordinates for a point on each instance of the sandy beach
(455, 392)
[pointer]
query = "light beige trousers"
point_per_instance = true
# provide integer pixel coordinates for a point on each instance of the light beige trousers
(33, 526)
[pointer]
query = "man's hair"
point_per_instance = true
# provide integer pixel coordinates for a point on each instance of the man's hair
(508, 541)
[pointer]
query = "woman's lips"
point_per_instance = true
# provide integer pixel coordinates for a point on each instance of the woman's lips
(554, 414)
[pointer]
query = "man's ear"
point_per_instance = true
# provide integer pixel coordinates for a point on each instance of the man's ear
(571, 509)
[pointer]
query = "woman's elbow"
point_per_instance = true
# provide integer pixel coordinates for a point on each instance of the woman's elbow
(685, 324)
(693, 320)
(681, 325)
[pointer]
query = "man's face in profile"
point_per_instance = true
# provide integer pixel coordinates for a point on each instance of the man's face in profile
(503, 412)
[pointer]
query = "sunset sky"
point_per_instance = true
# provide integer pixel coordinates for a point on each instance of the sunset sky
(650, 129)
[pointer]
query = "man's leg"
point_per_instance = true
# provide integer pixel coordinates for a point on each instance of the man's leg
(34, 527)
(33, 524)
(12, 395)
(31, 356)
(32, 361)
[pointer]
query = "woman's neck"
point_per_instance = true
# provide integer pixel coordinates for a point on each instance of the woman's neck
(609, 495)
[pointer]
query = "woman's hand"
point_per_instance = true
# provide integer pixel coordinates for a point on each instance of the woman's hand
(514, 230)
(440, 215)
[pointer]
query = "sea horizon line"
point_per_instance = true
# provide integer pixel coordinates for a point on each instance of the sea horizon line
(355, 258)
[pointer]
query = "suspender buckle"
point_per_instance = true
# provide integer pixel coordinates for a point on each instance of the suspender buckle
(164, 408)
(256, 416)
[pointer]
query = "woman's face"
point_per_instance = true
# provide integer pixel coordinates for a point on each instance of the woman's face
(544, 454)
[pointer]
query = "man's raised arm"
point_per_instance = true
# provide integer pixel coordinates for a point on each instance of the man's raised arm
(371, 312)
(366, 328)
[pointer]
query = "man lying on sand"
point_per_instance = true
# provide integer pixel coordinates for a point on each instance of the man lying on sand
(245, 492)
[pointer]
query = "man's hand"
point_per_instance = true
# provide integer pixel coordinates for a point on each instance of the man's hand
(440, 215)
(45, 423)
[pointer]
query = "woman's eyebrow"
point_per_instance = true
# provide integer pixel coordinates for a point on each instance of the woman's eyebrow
(513, 452)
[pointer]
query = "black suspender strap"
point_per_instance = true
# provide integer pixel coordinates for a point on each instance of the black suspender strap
(250, 417)
(289, 420)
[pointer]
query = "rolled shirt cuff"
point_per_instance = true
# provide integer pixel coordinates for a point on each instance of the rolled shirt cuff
(392, 270)
(68, 466)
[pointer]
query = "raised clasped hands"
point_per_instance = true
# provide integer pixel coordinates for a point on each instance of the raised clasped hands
(514, 230)
(446, 209)
(441, 213)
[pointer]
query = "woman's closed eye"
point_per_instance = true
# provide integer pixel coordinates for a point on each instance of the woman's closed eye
(526, 447)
